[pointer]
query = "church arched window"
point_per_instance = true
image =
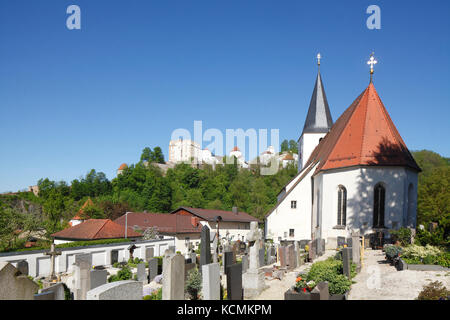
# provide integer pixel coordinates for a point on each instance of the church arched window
(378, 206)
(342, 206)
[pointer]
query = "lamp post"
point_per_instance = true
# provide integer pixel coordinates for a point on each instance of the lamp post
(126, 224)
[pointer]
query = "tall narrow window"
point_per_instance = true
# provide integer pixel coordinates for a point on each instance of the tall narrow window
(378, 206)
(293, 204)
(342, 206)
(291, 232)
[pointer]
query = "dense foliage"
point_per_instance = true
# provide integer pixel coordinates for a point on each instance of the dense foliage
(330, 270)
(433, 202)
(193, 284)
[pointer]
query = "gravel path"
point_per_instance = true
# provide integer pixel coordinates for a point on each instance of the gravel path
(379, 280)
(277, 288)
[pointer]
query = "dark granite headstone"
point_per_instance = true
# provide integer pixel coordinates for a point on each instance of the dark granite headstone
(234, 281)
(261, 256)
(152, 269)
(346, 261)
(23, 267)
(227, 259)
(205, 248)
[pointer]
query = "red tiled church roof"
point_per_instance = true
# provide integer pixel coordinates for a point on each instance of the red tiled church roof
(364, 135)
(94, 229)
(165, 223)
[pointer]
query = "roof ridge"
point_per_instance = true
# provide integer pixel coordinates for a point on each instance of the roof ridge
(101, 228)
(367, 94)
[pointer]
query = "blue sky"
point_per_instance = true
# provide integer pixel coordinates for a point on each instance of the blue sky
(72, 100)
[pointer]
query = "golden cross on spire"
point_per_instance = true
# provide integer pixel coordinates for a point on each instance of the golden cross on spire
(371, 62)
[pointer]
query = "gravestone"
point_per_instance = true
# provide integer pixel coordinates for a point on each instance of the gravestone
(98, 278)
(227, 259)
(282, 256)
(211, 281)
(50, 295)
(22, 266)
(117, 290)
(346, 261)
(56, 289)
(291, 259)
(14, 285)
(356, 247)
(149, 253)
(312, 250)
(81, 278)
(173, 278)
(320, 291)
(141, 274)
(152, 269)
(187, 268)
(87, 257)
(340, 241)
(303, 243)
(234, 281)
(245, 263)
(261, 257)
(253, 279)
(114, 256)
(205, 249)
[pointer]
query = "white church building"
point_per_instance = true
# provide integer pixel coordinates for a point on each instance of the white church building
(355, 174)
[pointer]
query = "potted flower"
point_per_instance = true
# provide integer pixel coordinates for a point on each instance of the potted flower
(301, 290)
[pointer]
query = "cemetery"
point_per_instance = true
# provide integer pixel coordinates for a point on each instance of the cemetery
(216, 270)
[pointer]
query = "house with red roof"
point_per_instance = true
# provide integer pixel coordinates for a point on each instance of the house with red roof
(94, 229)
(356, 174)
(185, 224)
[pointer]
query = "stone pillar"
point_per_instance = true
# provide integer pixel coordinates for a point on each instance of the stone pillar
(82, 279)
(346, 262)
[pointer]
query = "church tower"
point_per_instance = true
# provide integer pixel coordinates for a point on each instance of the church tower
(317, 124)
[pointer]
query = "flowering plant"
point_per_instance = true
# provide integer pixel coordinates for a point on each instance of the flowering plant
(301, 285)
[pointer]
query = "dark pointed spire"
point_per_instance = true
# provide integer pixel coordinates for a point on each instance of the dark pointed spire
(319, 118)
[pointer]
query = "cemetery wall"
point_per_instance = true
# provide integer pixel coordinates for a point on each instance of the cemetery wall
(39, 263)
(235, 229)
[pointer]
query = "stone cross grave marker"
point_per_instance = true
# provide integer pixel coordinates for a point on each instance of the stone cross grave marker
(52, 253)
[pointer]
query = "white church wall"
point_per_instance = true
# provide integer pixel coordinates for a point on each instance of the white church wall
(360, 183)
(307, 144)
(284, 217)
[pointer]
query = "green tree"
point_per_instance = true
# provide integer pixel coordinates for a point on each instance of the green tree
(293, 146)
(146, 154)
(157, 155)
(285, 146)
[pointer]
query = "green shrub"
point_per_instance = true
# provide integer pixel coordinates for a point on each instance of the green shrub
(392, 251)
(420, 252)
(330, 270)
(403, 235)
(194, 283)
(123, 274)
(434, 291)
